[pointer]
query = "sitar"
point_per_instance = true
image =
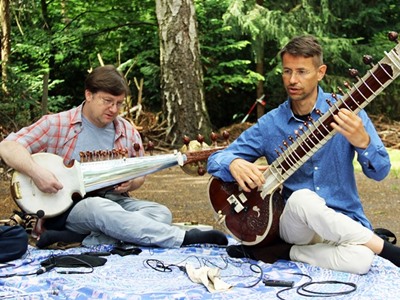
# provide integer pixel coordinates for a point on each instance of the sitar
(253, 217)
(83, 177)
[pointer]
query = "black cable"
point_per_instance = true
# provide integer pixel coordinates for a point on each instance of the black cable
(208, 262)
(16, 274)
(303, 289)
(260, 270)
(159, 265)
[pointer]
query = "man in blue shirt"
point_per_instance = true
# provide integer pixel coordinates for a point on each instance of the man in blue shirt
(323, 222)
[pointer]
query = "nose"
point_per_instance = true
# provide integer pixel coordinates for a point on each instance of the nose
(114, 107)
(293, 78)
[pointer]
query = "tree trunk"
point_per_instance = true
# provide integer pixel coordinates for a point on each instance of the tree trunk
(181, 72)
(45, 95)
(5, 42)
(47, 27)
(260, 85)
(260, 70)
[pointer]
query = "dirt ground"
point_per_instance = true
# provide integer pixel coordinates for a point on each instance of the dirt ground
(186, 196)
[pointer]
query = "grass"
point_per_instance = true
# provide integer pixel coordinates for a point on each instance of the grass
(394, 155)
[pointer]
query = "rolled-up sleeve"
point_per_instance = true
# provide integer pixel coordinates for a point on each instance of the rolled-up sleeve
(374, 160)
(247, 146)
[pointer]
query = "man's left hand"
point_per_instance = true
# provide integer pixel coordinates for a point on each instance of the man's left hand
(352, 128)
(130, 185)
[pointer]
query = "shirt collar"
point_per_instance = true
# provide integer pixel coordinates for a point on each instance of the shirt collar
(319, 103)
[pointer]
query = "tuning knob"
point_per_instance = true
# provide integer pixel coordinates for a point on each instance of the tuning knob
(353, 73)
(201, 171)
(225, 135)
(136, 147)
(214, 138)
(150, 147)
(186, 140)
(368, 60)
(393, 36)
(200, 138)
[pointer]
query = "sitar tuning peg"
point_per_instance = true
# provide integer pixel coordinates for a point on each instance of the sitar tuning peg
(200, 139)
(334, 96)
(226, 135)
(214, 138)
(353, 73)
(393, 36)
(347, 85)
(318, 112)
(201, 170)
(150, 147)
(285, 144)
(136, 148)
(186, 140)
(368, 60)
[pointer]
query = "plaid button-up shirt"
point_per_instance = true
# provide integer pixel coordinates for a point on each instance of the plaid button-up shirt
(58, 133)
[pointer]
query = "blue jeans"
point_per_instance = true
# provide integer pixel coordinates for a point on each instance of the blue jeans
(115, 217)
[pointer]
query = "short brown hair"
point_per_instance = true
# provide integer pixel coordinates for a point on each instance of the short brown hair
(107, 79)
(305, 46)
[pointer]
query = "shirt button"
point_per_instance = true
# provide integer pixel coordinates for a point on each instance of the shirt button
(366, 153)
(315, 168)
(317, 188)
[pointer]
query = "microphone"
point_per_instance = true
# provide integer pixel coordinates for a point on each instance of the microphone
(45, 269)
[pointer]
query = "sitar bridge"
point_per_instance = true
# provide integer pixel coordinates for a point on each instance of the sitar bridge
(237, 202)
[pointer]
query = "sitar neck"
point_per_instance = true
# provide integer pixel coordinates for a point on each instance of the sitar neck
(106, 173)
(101, 174)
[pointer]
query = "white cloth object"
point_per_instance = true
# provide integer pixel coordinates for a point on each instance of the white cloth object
(209, 277)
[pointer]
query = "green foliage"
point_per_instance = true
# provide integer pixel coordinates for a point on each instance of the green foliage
(66, 39)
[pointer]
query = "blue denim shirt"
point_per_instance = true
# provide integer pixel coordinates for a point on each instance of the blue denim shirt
(329, 172)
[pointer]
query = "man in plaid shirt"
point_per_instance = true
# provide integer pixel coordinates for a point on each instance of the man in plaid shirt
(108, 215)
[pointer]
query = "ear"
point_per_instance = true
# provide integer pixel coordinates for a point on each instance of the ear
(88, 95)
(321, 72)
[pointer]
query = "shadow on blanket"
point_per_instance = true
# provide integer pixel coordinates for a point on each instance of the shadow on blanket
(162, 274)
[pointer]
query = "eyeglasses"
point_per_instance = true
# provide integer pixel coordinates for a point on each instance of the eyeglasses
(299, 73)
(110, 103)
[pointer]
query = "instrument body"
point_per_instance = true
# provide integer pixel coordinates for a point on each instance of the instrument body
(81, 178)
(247, 216)
(233, 207)
(30, 199)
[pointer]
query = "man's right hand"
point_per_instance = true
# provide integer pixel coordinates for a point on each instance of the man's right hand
(17, 157)
(248, 175)
(46, 181)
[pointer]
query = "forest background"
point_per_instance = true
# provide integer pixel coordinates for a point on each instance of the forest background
(206, 61)
(193, 67)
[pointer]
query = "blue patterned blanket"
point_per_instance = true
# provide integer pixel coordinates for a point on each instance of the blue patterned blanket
(132, 277)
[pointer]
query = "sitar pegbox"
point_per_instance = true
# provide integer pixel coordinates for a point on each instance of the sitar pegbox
(199, 150)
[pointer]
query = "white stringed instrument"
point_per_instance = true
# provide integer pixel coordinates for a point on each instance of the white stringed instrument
(84, 177)
(253, 218)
